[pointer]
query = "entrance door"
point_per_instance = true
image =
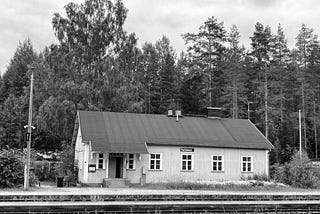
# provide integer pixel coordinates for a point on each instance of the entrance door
(119, 163)
(115, 167)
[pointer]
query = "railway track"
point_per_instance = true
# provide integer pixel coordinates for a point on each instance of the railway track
(157, 203)
(162, 207)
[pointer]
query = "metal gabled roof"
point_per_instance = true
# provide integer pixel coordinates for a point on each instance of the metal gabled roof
(128, 132)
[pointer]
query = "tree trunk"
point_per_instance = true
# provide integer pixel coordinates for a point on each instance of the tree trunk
(315, 128)
(149, 101)
(210, 74)
(234, 98)
(266, 101)
(281, 106)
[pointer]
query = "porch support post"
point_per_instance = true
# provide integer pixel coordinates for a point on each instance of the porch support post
(267, 163)
(124, 168)
(107, 164)
(86, 154)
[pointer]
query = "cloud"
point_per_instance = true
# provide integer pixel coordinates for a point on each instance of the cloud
(21, 19)
(150, 19)
(261, 3)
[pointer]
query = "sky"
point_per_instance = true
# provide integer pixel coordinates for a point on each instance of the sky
(150, 19)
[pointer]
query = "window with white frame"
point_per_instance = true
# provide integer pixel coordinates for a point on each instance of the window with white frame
(155, 160)
(246, 164)
(100, 161)
(130, 162)
(217, 163)
(186, 162)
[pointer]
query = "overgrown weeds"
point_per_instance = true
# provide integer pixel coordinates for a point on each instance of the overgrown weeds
(217, 185)
(299, 172)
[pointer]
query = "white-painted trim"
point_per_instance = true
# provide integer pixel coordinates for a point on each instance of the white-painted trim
(107, 164)
(192, 162)
(92, 154)
(149, 167)
(90, 147)
(85, 162)
(134, 161)
(222, 161)
(252, 163)
(78, 149)
(124, 172)
(103, 160)
(267, 163)
(145, 143)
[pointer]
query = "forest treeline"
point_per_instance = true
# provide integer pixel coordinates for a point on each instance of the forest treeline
(97, 65)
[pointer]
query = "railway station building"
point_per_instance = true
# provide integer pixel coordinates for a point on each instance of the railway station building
(149, 148)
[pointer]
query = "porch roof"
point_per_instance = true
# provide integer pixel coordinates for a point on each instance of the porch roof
(129, 133)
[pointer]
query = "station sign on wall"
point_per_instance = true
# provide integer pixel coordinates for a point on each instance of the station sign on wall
(186, 149)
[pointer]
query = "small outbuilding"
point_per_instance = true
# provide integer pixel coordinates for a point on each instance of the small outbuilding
(148, 148)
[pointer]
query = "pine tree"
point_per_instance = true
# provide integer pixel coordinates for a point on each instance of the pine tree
(13, 119)
(305, 43)
(148, 76)
(15, 78)
(260, 51)
(234, 74)
(166, 74)
(207, 48)
(192, 94)
(279, 76)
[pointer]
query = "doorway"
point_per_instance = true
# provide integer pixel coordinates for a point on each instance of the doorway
(115, 166)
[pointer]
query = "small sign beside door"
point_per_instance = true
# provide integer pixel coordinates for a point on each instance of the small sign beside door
(92, 168)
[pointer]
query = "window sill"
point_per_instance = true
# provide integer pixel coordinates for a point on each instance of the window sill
(154, 170)
(247, 172)
(186, 170)
(131, 169)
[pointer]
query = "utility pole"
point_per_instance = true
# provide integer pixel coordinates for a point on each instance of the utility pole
(300, 139)
(315, 127)
(28, 136)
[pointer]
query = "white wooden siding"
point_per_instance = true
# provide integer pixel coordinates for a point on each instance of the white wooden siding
(202, 158)
(171, 165)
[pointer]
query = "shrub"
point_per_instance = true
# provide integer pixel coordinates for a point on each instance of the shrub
(67, 167)
(12, 170)
(33, 179)
(281, 174)
(45, 170)
(298, 172)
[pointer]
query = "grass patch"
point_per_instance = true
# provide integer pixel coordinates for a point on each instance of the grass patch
(249, 185)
